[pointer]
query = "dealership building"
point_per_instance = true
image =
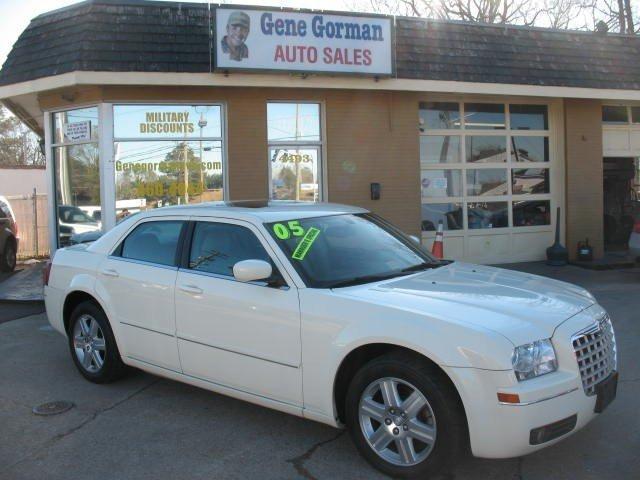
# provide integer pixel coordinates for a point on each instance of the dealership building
(487, 128)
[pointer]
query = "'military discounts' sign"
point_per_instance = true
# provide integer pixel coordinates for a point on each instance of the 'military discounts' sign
(295, 41)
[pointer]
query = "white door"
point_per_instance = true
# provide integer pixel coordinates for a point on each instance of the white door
(241, 335)
(138, 281)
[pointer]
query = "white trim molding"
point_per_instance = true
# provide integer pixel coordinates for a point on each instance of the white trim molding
(79, 78)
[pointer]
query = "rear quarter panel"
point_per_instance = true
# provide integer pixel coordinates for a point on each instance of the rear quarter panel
(73, 269)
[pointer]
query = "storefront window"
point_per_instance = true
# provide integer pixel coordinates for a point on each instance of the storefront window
(439, 115)
(612, 114)
(530, 149)
(484, 149)
(528, 117)
(440, 149)
(487, 182)
(449, 213)
(530, 180)
(532, 213)
(441, 183)
(484, 116)
(76, 165)
(167, 155)
(487, 215)
(473, 179)
(295, 151)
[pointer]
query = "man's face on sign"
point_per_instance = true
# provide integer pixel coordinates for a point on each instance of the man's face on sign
(237, 34)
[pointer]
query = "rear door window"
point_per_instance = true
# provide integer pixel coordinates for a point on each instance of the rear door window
(154, 242)
(217, 247)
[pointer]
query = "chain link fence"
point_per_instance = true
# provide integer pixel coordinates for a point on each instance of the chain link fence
(33, 224)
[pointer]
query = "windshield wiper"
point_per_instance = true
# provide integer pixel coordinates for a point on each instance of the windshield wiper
(422, 266)
(366, 279)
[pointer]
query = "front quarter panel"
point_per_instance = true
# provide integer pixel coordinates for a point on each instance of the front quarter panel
(334, 325)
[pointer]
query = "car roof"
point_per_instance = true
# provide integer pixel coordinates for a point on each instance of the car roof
(256, 210)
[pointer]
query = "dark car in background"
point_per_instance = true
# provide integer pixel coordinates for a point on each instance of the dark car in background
(8, 237)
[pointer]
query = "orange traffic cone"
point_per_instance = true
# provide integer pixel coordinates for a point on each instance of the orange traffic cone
(438, 246)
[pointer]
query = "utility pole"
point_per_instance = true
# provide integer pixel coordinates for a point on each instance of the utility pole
(186, 174)
(201, 123)
(297, 157)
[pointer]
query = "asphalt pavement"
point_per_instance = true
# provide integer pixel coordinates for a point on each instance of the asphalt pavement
(145, 427)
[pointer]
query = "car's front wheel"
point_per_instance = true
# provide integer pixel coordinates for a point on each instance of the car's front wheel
(93, 346)
(404, 417)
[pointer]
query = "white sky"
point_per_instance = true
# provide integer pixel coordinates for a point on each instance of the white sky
(15, 15)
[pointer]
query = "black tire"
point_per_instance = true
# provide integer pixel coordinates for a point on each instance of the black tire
(112, 367)
(8, 257)
(451, 434)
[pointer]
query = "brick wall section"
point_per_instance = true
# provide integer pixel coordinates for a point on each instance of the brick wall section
(584, 198)
(371, 136)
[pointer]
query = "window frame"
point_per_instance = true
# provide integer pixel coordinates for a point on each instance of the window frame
(279, 269)
(511, 164)
(319, 145)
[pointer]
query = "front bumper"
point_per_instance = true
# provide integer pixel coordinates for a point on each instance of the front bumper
(504, 430)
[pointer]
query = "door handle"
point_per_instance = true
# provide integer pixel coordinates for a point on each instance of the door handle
(191, 289)
(110, 272)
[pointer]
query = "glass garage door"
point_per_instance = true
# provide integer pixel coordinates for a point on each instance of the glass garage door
(486, 173)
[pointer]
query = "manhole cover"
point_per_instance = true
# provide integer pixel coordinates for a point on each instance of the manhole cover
(53, 408)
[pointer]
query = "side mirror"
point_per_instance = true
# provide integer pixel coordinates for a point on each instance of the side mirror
(251, 270)
(415, 239)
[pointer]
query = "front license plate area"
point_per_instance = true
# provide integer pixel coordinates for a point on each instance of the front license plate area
(606, 392)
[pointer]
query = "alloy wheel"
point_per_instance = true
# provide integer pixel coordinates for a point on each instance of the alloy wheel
(397, 421)
(89, 343)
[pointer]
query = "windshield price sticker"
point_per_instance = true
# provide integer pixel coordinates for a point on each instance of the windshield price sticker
(305, 245)
(284, 232)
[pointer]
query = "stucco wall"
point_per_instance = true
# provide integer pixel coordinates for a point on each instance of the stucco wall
(584, 197)
(22, 181)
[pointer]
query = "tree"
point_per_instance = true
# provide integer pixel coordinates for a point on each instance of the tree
(562, 14)
(616, 14)
(18, 144)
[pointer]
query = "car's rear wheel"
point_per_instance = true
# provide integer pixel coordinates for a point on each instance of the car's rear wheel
(8, 257)
(93, 346)
(403, 417)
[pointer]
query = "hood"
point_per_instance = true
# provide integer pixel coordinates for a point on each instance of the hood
(521, 306)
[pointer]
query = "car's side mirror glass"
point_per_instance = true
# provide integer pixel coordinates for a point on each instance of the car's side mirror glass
(251, 270)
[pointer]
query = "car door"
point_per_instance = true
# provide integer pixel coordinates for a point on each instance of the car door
(137, 281)
(241, 335)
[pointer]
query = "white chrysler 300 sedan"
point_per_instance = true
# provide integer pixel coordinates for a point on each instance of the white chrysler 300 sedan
(331, 313)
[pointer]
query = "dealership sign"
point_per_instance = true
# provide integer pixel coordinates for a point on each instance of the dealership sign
(250, 39)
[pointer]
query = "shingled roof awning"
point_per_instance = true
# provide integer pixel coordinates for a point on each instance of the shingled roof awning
(146, 36)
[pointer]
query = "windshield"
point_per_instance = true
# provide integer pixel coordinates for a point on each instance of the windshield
(343, 250)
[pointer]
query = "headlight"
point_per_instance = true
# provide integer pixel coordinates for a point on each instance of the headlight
(534, 359)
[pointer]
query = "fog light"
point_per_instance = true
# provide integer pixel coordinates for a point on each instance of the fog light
(553, 430)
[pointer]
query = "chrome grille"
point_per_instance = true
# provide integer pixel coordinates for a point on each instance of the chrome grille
(595, 350)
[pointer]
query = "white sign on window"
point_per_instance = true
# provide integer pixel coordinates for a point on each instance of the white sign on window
(78, 131)
(251, 39)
